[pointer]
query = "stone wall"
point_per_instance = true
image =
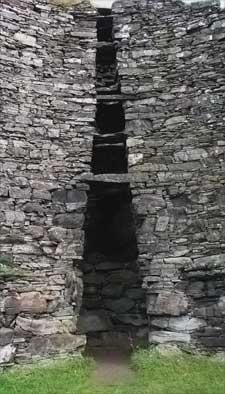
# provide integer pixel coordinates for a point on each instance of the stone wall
(171, 62)
(47, 122)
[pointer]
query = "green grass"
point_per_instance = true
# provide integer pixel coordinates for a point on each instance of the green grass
(66, 3)
(153, 375)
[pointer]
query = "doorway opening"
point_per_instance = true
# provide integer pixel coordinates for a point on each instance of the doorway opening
(113, 299)
(113, 311)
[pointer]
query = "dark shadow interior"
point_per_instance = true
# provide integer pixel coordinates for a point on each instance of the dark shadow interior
(106, 65)
(110, 228)
(104, 11)
(110, 117)
(106, 54)
(113, 299)
(109, 155)
(105, 28)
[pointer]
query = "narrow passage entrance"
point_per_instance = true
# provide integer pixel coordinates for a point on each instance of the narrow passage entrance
(113, 311)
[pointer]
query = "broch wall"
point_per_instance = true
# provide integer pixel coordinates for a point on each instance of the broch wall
(47, 122)
(171, 60)
(171, 63)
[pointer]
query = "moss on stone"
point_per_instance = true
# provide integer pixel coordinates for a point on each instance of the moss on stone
(8, 271)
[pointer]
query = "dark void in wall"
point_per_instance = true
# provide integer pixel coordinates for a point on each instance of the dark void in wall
(109, 154)
(113, 299)
(110, 117)
(110, 226)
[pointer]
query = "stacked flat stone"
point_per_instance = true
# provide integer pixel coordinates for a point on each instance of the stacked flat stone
(171, 65)
(47, 116)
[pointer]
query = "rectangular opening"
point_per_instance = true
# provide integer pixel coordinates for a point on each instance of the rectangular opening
(109, 155)
(104, 28)
(110, 117)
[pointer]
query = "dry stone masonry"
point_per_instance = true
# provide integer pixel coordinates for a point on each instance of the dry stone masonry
(112, 185)
(171, 61)
(47, 122)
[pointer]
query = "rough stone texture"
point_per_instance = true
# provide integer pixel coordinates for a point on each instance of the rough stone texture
(7, 354)
(171, 59)
(47, 115)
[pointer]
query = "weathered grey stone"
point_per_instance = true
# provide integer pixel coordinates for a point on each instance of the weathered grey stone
(11, 305)
(18, 193)
(32, 302)
(168, 336)
(15, 217)
(143, 53)
(162, 223)
(69, 250)
(147, 202)
(181, 323)
(41, 195)
(26, 249)
(7, 354)
(6, 335)
(56, 344)
(46, 326)
(178, 261)
(37, 232)
(175, 120)
(167, 303)
(191, 154)
(221, 304)
(25, 39)
(57, 234)
(34, 207)
(135, 158)
(205, 262)
(74, 220)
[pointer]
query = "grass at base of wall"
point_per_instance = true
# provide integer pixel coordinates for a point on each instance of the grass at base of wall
(153, 375)
(66, 3)
(181, 374)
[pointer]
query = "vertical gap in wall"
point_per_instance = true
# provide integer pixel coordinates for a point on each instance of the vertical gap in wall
(113, 310)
